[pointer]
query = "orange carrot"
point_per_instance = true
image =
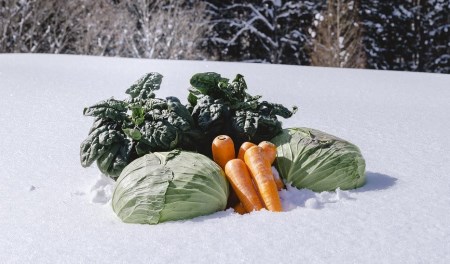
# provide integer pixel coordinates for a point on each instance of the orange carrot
(223, 150)
(261, 173)
(270, 150)
(243, 148)
(239, 208)
(241, 182)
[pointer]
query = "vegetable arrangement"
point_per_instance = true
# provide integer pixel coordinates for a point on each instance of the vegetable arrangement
(174, 161)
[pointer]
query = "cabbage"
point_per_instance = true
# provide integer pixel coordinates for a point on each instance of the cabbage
(309, 158)
(166, 186)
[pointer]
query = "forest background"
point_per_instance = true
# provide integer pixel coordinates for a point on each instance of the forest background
(405, 35)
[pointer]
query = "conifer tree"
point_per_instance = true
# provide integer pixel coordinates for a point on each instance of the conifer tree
(435, 55)
(274, 31)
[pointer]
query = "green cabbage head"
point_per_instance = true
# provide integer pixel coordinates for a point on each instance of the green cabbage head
(311, 159)
(166, 186)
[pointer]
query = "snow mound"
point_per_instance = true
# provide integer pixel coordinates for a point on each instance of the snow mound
(293, 198)
(102, 189)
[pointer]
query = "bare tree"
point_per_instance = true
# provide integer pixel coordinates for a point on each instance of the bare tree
(164, 29)
(38, 26)
(337, 38)
(106, 26)
(167, 29)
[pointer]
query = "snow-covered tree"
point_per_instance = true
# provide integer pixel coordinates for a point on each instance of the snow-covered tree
(410, 35)
(274, 31)
(389, 34)
(435, 35)
(397, 35)
(337, 36)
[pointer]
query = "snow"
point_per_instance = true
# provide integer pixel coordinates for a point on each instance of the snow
(54, 211)
(341, 42)
(102, 190)
(293, 198)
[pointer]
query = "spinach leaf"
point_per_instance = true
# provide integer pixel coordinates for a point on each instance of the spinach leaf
(208, 83)
(145, 86)
(108, 145)
(109, 109)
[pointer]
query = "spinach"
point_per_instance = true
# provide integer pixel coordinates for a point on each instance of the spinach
(124, 130)
(219, 106)
(107, 145)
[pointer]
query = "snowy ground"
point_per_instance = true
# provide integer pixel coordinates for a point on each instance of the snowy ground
(54, 211)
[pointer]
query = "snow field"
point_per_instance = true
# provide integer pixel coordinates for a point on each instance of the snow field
(55, 211)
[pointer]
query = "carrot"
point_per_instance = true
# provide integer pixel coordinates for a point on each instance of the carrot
(243, 148)
(223, 150)
(239, 208)
(270, 150)
(261, 173)
(237, 174)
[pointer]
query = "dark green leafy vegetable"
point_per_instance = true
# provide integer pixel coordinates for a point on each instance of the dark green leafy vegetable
(125, 130)
(109, 109)
(144, 87)
(108, 145)
(222, 107)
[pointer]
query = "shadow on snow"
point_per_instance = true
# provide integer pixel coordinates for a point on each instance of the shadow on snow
(294, 198)
(303, 198)
(376, 182)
